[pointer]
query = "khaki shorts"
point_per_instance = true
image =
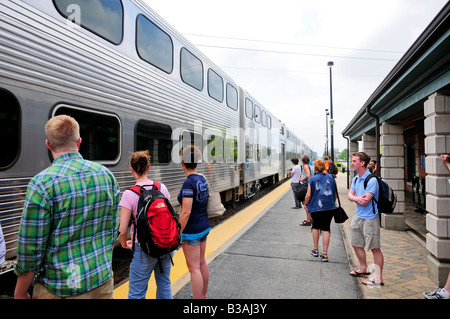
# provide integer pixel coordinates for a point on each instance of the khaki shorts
(104, 291)
(365, 233)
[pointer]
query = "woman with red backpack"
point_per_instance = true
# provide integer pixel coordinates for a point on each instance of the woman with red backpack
(142, 265)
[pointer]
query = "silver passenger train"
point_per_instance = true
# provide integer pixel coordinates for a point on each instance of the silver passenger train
(133, 83)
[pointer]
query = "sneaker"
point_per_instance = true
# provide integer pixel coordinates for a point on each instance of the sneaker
(437, 294)
(315, 252)
(324, 257)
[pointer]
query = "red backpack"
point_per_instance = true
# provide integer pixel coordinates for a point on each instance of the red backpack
(156, 224)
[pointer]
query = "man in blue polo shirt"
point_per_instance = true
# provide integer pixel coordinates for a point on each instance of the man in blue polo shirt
(365, 226)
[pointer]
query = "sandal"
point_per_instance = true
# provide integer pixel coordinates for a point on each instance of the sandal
(305, 223)
(372, 283)
(356, 273)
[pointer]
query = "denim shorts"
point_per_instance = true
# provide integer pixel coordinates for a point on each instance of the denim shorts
(194, 242)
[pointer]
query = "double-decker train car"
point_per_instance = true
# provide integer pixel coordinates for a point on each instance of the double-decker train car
(133, 83)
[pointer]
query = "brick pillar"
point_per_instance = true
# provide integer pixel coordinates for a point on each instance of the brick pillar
(369, 145)
(437, 142)
(393, 172)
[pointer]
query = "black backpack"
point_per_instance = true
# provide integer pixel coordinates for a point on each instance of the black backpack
(386, 197)
(156, 224)
(332, 169)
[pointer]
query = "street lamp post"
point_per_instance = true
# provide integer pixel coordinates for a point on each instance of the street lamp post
(326, 127)
(330, 64)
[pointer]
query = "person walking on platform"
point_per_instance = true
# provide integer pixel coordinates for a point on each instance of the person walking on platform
(194, 221)
(69, 223)
(295, 183)
(305, 175)
(320, 200)
(142, 265)
(365, 225)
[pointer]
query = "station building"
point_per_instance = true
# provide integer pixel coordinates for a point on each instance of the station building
(405, 125)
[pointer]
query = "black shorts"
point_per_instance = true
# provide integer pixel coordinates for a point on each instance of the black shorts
(322, 219)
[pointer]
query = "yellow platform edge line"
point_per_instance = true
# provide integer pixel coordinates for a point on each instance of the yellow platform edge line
(220, 238)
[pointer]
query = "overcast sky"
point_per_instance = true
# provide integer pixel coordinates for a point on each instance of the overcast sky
(278, 51)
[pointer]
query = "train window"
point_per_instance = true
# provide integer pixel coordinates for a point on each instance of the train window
(188, 138)
(215, 151)
(154, 45)
(100, 134)
(249, 108)
(9, 128)
(102, 17)
(249, 152)
(156, 138)
(263, 118)
(191, 70)
(269, 122)
(232, 97)
(215, 85)
(231, 149)
(257, 114)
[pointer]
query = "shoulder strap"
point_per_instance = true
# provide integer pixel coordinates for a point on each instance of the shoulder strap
(366, 181)
(365, 186)
(137, 189)
(337, 193)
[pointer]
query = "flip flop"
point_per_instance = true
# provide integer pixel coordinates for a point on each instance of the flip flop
(355, 273)
(370, 282)
(305, 223)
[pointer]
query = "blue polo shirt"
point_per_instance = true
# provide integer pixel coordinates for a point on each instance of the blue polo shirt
(365, 212)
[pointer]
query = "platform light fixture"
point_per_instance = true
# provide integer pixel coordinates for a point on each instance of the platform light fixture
(326, 128)
(330, 65)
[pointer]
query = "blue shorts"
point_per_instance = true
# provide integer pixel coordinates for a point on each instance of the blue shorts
(194, 242)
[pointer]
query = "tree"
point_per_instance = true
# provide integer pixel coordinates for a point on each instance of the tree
(343, 154)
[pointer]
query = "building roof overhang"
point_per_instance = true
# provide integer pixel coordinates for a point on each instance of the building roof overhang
(423, 70)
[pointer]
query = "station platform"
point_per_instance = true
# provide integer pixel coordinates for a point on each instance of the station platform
(263, 253)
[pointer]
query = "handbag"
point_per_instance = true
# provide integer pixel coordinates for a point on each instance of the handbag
(214, 206)
(301, 190)
(340, 215)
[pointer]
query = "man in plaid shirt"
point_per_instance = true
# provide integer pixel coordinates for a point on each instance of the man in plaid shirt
(69, 223)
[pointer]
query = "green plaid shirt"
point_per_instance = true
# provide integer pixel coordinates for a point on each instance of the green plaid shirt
(69, 224)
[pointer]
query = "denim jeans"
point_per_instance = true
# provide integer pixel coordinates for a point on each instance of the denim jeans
(141, 268)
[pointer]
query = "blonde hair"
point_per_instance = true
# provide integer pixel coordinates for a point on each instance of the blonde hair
(319, 166)
(62, 133)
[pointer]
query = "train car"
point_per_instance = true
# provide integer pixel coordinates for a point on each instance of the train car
(261, 141)
(133, 83)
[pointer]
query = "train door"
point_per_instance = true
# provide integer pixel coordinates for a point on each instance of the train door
(283, 161)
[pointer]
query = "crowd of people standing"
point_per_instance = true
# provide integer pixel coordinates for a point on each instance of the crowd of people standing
(70, 222)
(320, 206)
